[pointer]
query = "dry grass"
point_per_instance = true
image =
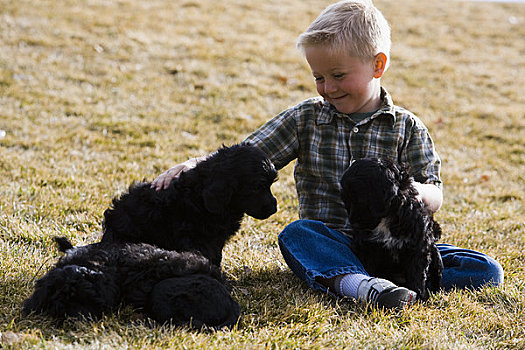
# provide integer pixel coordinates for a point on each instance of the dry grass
(97, 93)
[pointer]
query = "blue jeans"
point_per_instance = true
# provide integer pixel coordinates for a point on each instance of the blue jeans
(313, 251)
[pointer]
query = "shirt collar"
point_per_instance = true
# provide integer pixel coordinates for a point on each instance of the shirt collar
(328, 112)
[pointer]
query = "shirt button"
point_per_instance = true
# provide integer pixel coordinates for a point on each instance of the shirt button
(355, 129)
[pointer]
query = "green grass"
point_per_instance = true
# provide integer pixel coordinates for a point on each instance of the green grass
(95, 94)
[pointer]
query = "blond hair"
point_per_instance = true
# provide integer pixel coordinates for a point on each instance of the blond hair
(355, 27)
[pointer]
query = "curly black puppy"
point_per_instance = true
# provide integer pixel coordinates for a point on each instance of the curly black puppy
(394, 234)
(167, 286)
(201, 209)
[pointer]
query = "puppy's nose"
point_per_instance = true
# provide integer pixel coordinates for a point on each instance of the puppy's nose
(274, 205)
(271, 207)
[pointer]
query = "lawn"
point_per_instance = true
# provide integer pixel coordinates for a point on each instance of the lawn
(95, 94)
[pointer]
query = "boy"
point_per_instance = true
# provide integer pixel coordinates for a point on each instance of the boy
(347, 48)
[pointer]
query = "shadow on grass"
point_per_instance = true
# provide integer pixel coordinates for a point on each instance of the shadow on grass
(268, 297)
(274, 295)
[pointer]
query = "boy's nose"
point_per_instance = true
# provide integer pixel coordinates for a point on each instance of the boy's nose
(329, 87)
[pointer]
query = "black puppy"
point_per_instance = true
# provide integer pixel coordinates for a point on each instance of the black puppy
(201, 209)
(394, 234)
(167, 286)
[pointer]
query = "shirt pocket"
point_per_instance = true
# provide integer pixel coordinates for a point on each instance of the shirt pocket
(385, 143)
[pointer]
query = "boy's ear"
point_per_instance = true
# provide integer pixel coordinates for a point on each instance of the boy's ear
(380, 65)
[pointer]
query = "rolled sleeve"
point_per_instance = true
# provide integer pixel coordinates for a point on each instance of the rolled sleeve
(423, 157)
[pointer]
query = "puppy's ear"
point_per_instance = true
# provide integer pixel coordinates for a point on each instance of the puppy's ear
(384, 188)
(403, 177)
(63, 244)
(217, 195)
(390, 182)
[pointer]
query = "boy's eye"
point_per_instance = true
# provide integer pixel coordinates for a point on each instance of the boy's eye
(317, 79)
(339, 76)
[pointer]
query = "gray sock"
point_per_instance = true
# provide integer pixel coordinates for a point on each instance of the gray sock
(348, 285)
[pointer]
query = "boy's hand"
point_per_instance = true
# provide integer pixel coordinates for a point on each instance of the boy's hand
(418, 186)
(163, 180)
(430, 195)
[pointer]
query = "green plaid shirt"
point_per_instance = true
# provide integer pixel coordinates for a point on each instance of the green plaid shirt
(324, 142)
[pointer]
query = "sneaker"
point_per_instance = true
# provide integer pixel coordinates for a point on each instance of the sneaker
(383, 293)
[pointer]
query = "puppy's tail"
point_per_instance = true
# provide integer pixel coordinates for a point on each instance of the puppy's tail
(63, 244)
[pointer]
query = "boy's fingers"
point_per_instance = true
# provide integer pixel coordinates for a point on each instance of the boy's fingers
(155, 184)
(159, 182)
(164, 179)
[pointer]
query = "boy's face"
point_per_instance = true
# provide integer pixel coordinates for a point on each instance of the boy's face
(344, 81)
